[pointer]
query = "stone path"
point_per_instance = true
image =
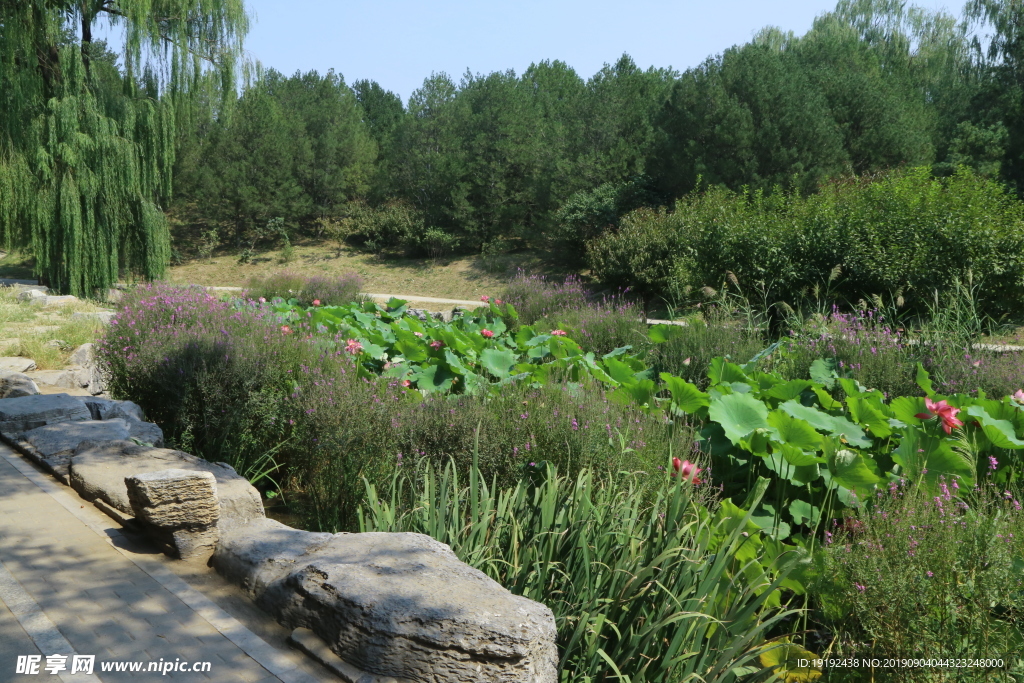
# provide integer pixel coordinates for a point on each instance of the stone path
(73, 582)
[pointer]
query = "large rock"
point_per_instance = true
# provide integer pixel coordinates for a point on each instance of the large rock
(53, 439)
(393, 604)
(106, 408)
(17, 364)
(55, 443)
(102, 316)
(16, 385)
(83, 355)
(28, 412)
(178, 507)
(98, 471)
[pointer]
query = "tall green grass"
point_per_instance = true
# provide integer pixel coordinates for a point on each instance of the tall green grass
(645, 583)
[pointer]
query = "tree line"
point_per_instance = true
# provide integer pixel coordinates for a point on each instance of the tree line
(489, 162)
(503, 160)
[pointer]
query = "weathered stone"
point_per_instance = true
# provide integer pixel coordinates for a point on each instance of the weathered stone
(98, 470)
(84, 355)
(174, 498)
(28, 412)
(393, 604)
(61, 300)
(145, 432)
(55, 378)
(17, 364)
(106, 409)
(34, 296)
(315, 647)
(177, 507)
(15, 385)
(52, 439)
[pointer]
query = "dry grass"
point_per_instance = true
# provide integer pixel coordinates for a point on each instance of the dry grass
(47, 335)
(466, 277)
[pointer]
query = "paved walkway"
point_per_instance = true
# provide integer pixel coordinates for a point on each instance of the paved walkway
(73, 582)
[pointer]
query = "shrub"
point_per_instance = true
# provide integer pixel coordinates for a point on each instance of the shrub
(534, 296)
(328, 290)
(920, 576)
(905, 231)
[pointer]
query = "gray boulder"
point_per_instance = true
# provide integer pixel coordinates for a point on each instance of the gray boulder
(145, 432)
(28, 412)
(393, 604)
(16, 385)
(98, 471)
(17, 364)
(178, 507)
(106, 408)
(52, 439)
(55, 443)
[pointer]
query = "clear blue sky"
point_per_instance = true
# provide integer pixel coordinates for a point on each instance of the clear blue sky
(398, 43)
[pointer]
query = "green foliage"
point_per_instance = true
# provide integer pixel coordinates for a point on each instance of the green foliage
(651, 585)
(905, 232)
(921, 576)
(86, 153)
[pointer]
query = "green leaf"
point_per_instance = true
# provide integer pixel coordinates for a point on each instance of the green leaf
(619, 371)
(804, 513)
(790, 390)
(721, 370)
(838, 426)
(906, 408)
(739, 415)
(999, 432)
(794, 431)
(685, 396)
(924, 380)
(433, 378)
(864, 412)
(412, 350)
(854, 471)
(661, 333)
(498, 362)
(824, 371)
(923, 457)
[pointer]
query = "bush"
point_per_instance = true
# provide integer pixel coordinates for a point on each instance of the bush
(917, 576)
(904, 232)
(328, 290)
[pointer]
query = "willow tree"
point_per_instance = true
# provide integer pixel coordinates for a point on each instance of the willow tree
(86, 155)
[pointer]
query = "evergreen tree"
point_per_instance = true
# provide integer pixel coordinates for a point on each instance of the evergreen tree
(85, 169)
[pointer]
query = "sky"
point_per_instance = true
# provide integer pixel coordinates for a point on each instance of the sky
(398, 43)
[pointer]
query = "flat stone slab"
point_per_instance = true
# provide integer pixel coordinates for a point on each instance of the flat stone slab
(98, 471)
(53, 439)
(17, 364)
(28, 412)
(102, 316)
(393, 604)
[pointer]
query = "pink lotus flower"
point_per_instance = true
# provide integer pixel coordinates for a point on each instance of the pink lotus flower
(944, 412)
(316, 302)
(558, 333)
(263, 300)
(418, 334)
(286, 329)
(406, 382)
(436, 344)
(353, 346)
(688, 469)
(485, 299)
(1018, 396)
(487, 333)
(497, 301)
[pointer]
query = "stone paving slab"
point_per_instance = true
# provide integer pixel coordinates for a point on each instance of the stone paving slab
(111, 594)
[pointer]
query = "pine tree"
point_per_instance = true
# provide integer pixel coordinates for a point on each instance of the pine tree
(85, 166)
